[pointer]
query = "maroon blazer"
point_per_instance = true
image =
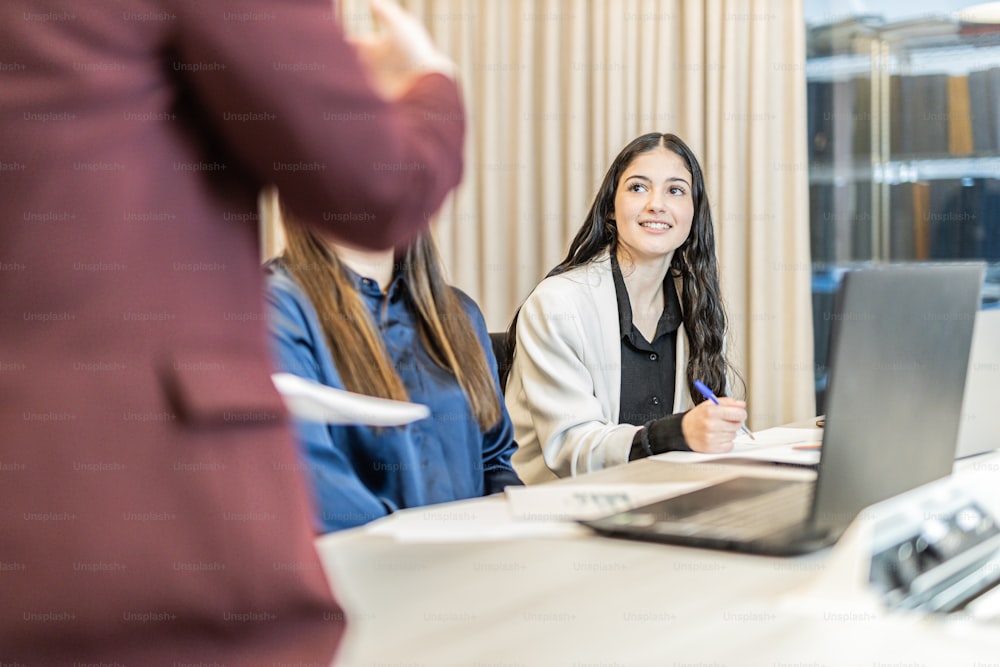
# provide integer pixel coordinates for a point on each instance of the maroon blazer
(151, 501)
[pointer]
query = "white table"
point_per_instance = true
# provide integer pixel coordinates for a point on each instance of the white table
(593, 601)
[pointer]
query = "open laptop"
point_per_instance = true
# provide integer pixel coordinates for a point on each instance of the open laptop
(899, 351)
(979, 429)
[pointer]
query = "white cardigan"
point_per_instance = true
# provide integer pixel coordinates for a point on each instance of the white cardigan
(564, 388)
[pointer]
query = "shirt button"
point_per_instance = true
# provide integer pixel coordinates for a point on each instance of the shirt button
(656, 400)
(653, 357)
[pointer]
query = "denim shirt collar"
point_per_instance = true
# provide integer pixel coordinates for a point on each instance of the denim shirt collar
(369, 288)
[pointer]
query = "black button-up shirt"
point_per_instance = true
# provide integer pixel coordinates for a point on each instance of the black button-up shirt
(649, 368)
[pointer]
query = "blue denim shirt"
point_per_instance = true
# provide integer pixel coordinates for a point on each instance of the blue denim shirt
(360, 473)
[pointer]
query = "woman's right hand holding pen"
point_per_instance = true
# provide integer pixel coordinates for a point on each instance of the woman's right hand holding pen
(711, 429)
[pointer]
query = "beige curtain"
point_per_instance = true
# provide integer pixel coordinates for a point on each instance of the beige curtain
(555, 88)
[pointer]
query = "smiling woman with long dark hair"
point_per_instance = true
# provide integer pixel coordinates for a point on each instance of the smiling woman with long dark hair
(606, 349)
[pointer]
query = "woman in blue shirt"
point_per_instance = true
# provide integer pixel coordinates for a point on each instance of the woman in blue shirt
(386, 324)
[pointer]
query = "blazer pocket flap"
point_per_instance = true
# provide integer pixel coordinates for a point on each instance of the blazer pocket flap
(207, 385)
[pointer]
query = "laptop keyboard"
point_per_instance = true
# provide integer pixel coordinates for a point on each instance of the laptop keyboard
(753, 517)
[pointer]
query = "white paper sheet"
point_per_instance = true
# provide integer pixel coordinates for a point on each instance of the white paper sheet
(798, 446)
(566, 502)
(524, 512)
(316, 402)
(482, 520)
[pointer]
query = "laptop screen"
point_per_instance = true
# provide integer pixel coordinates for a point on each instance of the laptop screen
(900, 346)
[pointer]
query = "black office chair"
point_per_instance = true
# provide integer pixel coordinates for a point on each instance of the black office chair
(503, 363)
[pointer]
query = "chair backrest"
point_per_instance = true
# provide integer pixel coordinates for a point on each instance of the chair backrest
(499, 351)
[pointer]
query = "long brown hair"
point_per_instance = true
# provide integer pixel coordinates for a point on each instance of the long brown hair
(353, 338)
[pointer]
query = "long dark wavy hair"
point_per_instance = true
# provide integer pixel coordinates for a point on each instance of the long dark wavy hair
(353, 337)
(694, 262)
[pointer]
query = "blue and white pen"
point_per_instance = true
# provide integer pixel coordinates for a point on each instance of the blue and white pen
(710, 395)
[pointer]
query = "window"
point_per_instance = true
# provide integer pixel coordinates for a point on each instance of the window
(904, 144)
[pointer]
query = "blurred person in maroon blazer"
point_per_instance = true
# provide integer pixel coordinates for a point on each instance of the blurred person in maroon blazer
(152, 509)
